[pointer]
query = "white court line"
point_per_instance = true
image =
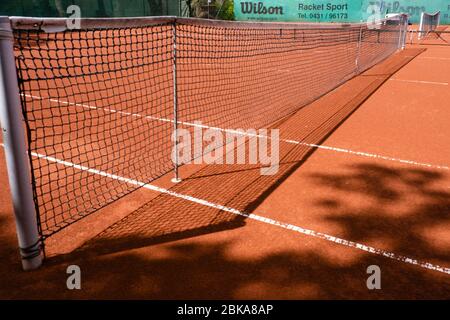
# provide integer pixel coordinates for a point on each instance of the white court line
(86, 106)
(283, 225)
(422, 82)
(322, 147)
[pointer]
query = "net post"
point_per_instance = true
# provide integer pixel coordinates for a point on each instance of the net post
(15, 153)
(405, 31)
(358, 52)
(400, 31)
(403, 26)
(176, 177)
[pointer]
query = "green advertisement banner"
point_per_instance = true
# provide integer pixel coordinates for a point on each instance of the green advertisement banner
(335, 10)
(412, 7)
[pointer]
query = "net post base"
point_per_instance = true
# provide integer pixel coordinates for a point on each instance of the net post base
(32, 264)
(176, 180)
(32, 257)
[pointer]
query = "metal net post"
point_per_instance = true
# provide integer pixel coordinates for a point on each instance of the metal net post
(405, 30)
(176, 177)
(16, 155)
(359, 49)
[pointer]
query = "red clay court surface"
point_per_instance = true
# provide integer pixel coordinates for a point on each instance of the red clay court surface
(371, 186)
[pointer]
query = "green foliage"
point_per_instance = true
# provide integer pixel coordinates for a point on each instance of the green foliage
(227, 10)
(217, 9)
(222, 9)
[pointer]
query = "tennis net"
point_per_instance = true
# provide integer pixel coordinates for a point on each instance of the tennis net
(100, 102)
(428, 23)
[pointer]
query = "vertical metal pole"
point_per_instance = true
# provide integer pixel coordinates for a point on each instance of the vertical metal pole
(400, 32)
(405, 31)
(359, 49)
(176, 177)
(209, 1)
(419, 35)
(15, 153)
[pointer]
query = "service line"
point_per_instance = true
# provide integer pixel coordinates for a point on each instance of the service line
(318, 146)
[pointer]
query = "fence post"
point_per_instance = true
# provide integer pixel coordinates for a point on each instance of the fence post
(419, 35)
(15, 153)
(176, 177)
